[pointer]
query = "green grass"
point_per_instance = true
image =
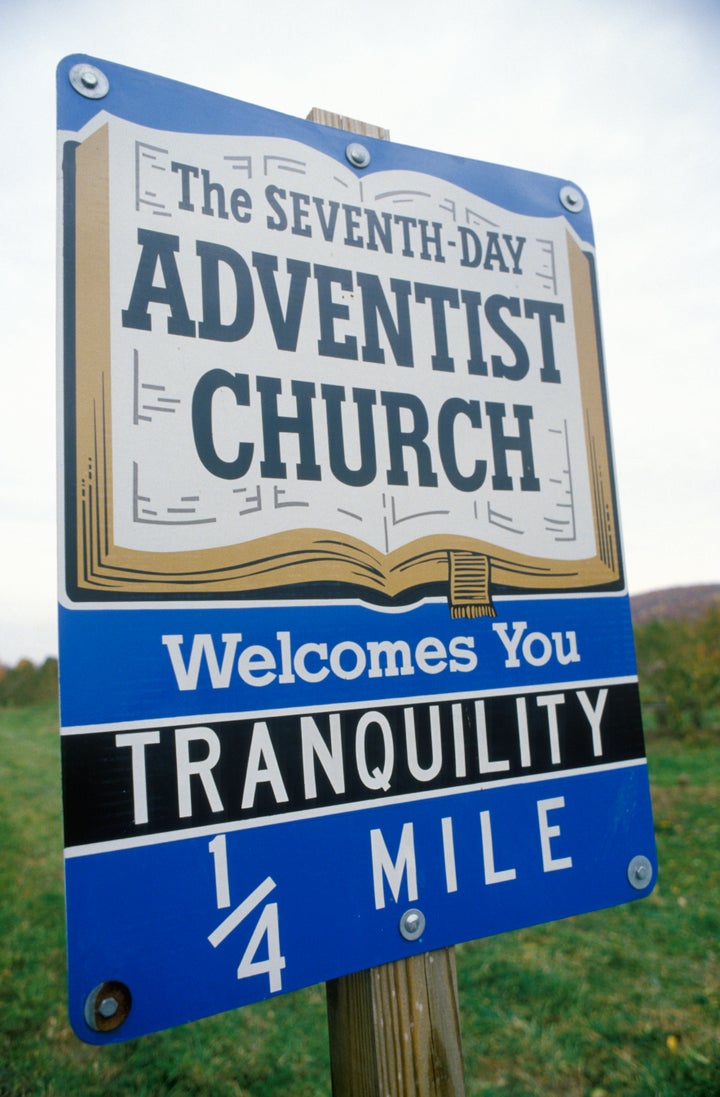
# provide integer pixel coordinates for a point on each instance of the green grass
(619, 1003)
(623, 1001)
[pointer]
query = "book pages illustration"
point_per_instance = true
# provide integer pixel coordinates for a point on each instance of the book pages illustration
(287, 377)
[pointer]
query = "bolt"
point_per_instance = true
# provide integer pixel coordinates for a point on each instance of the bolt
(108, 1007)
(89, 81)
(412, 924)
(358, 155)
(572, 199)
(639, 872)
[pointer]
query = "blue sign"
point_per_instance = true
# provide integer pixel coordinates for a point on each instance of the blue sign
(347, 667)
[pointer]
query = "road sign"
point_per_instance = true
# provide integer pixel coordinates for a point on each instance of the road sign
(347, 667)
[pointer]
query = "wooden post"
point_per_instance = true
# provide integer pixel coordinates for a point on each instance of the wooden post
(394, 1030)
(340, 122)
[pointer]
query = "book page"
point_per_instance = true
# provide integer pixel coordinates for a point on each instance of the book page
(385, 357)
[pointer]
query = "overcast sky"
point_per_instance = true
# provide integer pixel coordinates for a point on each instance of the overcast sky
(624, 98)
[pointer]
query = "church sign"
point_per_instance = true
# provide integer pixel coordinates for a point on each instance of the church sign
(343, 608)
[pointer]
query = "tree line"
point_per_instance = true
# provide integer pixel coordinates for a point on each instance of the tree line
(28, 684)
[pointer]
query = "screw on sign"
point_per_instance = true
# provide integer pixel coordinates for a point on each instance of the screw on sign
(107, 1006)
(89, 81)
(358, 155)
(572, 199)
(640, 872)
(412, 924)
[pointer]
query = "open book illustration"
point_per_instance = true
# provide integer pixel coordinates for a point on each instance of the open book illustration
(287, 379)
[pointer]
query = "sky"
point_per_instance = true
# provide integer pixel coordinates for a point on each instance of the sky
(622, 97)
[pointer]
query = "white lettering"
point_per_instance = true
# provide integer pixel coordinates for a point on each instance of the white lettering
(379, 778)
(545, 652)
(201, 768)
(336, 656)
(252, 661)
(431, 655)
(459, 741)
(537, 647)
(449, 855)
(510, 643)
(202, 644)
(594, 716)
(523, 734)
(259, 665)
(137, 741)
(261, 751)
(299, 662)
(550, 701)
(486, 766)
(286, 675)
(571, 656)
(390, 650)
(331, 758)
(393, 871)
(418, 772)
(463, 656)
(550, 863)
(492, 876)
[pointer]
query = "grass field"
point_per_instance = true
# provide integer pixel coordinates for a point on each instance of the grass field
(620, 1003)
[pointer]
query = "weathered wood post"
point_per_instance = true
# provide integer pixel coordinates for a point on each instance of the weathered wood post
(395, 1030)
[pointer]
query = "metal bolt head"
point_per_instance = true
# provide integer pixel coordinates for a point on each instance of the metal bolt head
(640, 872)
(572, 199)
(412, 924)
(89, 81)
(107, 1006)
(357, 155)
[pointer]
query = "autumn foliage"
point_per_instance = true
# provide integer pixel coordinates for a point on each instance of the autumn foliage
(679, 669)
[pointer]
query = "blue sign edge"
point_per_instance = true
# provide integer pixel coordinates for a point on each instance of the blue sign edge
(162, 103)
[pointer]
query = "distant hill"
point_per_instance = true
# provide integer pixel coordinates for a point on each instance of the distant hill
(674, 602)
